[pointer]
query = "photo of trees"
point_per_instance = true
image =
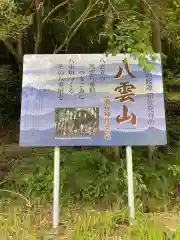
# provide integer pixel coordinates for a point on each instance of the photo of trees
(76, 121)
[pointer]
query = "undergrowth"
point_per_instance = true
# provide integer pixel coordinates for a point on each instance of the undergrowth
(21, 222)
(90, 177)
(93, 195)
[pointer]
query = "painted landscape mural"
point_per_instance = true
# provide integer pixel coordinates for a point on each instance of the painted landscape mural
(91, 99)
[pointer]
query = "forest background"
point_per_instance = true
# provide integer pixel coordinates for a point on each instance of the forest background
(95, 178)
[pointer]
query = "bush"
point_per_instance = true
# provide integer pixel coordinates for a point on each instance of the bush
(85, 175)
(91, 177)
(33, 177)
(10, 95)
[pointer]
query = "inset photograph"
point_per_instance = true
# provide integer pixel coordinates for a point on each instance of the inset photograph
(76, 122)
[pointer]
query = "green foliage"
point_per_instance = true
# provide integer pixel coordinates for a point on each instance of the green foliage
(33, 178)
(172, 23)
(93, 176)
(85, 175)
(133, 36)
(171, 82)
(8, 81)
(20, 222)
(175, 169)
(172, 87)
(89, 177)
(12, 23)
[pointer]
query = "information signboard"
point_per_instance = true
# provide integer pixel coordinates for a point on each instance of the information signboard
(91, 99)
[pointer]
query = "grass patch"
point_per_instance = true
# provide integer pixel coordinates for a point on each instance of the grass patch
(96, 183)
(173, 95)
(21, 222)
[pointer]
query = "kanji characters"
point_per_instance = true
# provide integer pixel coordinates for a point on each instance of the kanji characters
(126, 117)
(125, 90)
(120, 72)
(125, 95)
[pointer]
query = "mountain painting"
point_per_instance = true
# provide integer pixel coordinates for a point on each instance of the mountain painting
(91, 100)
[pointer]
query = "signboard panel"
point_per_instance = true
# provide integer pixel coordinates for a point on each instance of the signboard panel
(91, 100)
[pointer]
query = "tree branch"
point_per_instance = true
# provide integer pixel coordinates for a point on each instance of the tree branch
(75, 31)
(40, 24)
(20, 47)
(95, 16)
(54, 10)
(145, 3)
(30, 7)
(113, 8)
(18, 54)
(77, 23)
(39, 30)
(12, 50)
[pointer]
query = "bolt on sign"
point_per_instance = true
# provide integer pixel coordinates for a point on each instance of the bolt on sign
(91, 99)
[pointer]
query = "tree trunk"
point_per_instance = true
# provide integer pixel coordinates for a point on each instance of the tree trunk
(156, 45)
(156, 33)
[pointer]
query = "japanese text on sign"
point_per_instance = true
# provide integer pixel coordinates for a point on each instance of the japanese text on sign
(81, 92)
(107, 132)
(71, 74)
(102, 70)
(125, 95)
(150, 100)
(61, 82)
(92, 79)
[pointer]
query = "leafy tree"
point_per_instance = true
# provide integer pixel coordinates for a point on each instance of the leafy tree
(139, 27)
